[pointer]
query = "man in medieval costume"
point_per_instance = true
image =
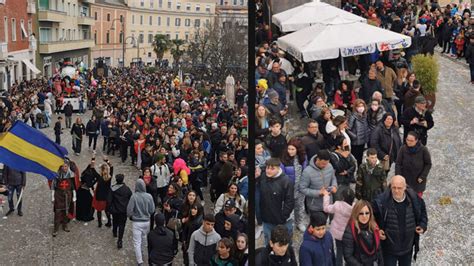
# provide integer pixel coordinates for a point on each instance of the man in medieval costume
(63, 196)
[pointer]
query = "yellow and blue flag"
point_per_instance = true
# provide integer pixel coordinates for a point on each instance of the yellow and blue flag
(27, 149)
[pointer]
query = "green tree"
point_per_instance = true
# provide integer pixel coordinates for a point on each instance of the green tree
(161, 44)
(176, 50)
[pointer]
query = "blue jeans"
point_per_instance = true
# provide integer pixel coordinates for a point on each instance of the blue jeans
(267, 230)
(403, 260)
(12, 188)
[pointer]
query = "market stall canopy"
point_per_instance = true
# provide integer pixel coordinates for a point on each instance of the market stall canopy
(340, 36)
(309, 14)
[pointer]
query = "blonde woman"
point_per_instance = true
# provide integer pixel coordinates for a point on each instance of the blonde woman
(102, 189)
(362, 239)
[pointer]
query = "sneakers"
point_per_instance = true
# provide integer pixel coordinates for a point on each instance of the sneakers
(302, 227)
(65, 228)
(258, 231)
(9, 212)
(119, 244)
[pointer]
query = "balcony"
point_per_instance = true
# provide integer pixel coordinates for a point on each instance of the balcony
(3, 50)
(61, 46)
(88, 1)
(31, 8)
(83, 20)
(52, 15)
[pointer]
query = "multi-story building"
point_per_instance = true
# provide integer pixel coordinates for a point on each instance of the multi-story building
(177, 19)
(110, 24)
(64, 33)
(232, 11)
(17, 45)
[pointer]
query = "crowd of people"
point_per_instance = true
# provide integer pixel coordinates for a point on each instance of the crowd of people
(181, 135)
(336, 174)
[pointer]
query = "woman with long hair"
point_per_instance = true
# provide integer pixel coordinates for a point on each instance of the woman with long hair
(182, 170)
(241, 249)
(386, 140)
(293, 162)
(192, 224)
(361, 240)
(101, 192)
(262, 120)
(324, 117)
(172, 203)
(232, 193)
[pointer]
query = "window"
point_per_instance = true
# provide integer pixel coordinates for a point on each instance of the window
(121, 18)
(107, 37)
(178, 6)
(187, 22)
(241, 2)
(121, 37)
(95, 15)
(150, 38)
(140, 38)
(141, 20)
(150, 20)
(186, 36)
(13, 29)
(168, 21)
(177, 22)
(188, 7)
(197, 23)
(133, 19)
(160, 3)
(198, 8)
(208, 8)
(24, 34)
(207, 22)
(30, 27)
(168, 36)
(235, 2)
(142, 3)
(152, 3)
(68, 11)
(45, 35)
(108, 17)
(73, 10)
(159, 21)
(169, 4)
(177, 36)
(5, 28)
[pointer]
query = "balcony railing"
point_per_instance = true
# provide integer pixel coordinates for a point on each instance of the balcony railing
(85, 20)
(51, 15)
(61, 46)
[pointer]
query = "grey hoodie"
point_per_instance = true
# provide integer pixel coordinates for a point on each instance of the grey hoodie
(202, 246)
(141, 206)
(312, 180)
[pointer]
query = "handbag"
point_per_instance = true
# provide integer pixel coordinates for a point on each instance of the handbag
(386, 163)
(174, 223)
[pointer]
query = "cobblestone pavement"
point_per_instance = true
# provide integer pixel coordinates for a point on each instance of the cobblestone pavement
(27, 240)
(448, 239)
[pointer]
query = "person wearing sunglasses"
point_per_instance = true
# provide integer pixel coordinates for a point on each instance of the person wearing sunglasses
(361, 240)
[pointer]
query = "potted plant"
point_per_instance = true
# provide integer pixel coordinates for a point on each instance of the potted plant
(426, 69)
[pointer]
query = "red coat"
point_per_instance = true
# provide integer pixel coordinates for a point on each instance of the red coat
(338, 99)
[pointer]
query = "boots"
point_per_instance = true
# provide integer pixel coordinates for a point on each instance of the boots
(65, 228)
(119, 244)
(55, 230)
(99, 219)
(108, 224)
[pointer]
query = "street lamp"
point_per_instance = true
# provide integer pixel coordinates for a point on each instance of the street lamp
(123, 37)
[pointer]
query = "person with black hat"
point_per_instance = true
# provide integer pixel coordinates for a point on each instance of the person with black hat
(317, 247)
(117, 202)
(162, 243)
(417, 119)
(229, 209)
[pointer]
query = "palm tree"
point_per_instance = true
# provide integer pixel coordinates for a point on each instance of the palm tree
(161, 44)
(175, 50)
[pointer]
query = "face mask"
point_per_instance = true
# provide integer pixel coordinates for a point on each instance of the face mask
(360, 109)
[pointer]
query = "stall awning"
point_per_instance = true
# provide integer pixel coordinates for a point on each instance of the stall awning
(32, 67)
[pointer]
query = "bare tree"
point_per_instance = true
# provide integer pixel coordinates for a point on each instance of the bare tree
(217, 50)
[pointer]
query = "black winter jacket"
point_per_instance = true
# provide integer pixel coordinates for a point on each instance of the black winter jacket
(382, 139)
(354, 254)
(386, 215)
(313, 144)
(117, 200)
(413, 165)
(277, 199)
(162, 246)
(264, 257)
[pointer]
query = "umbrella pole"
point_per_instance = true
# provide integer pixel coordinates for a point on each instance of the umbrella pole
(343, 70)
